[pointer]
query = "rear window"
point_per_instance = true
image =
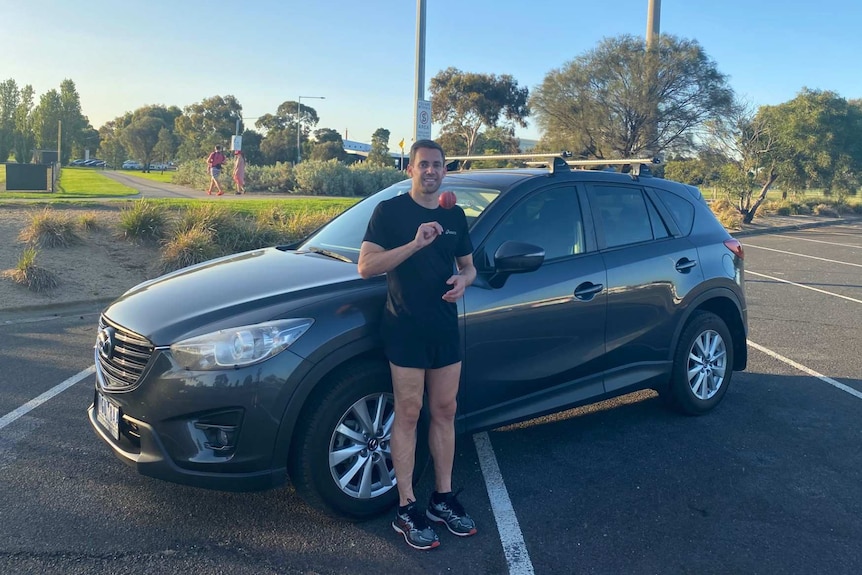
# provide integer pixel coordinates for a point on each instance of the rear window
(680, 210)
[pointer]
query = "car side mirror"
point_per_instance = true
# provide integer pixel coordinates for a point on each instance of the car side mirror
(515, 258)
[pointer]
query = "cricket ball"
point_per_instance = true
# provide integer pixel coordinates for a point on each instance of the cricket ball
(447, 199)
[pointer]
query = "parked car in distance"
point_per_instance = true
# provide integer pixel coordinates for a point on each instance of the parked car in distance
(132, 165)
(79, 162)
(591, 284)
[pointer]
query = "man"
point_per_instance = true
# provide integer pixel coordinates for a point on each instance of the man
(415, 243)
(214, 163)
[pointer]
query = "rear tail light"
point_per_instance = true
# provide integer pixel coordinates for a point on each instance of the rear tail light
(736, 247)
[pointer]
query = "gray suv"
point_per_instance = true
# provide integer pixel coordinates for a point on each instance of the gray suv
(241, 372)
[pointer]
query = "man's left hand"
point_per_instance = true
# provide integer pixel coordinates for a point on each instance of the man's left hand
(459, 284)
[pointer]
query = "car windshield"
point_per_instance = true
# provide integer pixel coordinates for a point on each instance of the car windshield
(344, 234)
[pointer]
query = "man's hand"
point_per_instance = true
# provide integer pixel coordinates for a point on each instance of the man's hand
(427, 233)
(459, 284)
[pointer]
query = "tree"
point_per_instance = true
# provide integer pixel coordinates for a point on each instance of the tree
(165, 149)
(76, 133)
(465, 103)
(602, 104)
(25, 137)
(379, 154)
(206, 124)
(10, 97)
(746, 142)
(820, 135)
(141, 136)
(46, 120)
(279, 141)
(328, 145)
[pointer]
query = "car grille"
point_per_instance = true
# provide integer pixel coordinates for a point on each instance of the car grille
(123, 359)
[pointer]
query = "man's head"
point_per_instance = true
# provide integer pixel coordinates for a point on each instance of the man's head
(218, 148)
(427, 166)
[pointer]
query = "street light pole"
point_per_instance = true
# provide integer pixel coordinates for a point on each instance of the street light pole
(299, 123)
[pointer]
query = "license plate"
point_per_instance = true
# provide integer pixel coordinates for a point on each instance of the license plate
(108, 415)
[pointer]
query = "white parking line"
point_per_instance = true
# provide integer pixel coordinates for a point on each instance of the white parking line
(745, 245)
(37, 401)
(800, 238)
(823, 291)
(808, 370)
(514, 548)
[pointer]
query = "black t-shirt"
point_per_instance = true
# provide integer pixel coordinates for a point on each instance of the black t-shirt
(415, 306)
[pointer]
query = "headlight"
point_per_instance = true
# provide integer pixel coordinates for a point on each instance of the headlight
(240, 346)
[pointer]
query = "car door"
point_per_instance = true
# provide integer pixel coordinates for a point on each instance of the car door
(536, 343)
(651, 267)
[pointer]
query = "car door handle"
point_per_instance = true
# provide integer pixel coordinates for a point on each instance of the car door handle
(587, 290)
(684, 265)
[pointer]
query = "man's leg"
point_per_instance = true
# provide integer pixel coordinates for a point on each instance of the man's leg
(408, 385)
(442, 403)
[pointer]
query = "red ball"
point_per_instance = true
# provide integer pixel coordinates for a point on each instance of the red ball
(447, 199)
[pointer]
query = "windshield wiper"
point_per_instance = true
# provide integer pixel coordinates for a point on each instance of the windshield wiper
(330, 254)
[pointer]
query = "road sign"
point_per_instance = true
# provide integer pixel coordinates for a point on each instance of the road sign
(423, 120)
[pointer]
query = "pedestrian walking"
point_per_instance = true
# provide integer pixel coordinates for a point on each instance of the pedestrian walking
(214, 165)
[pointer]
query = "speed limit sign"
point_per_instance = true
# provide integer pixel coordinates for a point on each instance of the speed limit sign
(423, 120)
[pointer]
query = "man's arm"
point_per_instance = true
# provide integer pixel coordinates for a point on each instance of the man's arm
(375, 260)
(459, 282)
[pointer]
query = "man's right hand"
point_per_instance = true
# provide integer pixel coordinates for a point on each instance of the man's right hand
(427, 233)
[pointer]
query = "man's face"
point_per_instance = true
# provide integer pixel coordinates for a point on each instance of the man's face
(427, 170)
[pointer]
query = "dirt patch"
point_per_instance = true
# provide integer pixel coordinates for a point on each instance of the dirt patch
(101, 267)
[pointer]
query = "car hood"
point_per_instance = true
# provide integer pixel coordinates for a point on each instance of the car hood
(241, 289)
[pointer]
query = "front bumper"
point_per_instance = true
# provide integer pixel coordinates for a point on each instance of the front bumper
(215, 430)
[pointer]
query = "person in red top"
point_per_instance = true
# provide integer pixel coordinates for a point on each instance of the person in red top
(214, 164)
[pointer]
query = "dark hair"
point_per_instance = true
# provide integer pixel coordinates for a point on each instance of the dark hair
(218, 148)
(427, 144)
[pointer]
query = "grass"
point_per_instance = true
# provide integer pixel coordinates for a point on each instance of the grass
(165, 177)
(30, 275)
(50, 229)
(76, 183)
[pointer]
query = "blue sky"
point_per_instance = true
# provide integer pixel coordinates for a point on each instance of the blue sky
(360, 55)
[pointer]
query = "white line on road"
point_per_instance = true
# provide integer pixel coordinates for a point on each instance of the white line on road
(800, 238)
(748, 272)
(514, 548)
(746, 246)
(37, 401)
(807, 370)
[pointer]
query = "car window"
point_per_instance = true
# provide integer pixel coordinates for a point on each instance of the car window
(344, 234)
(622, 213)
(680, 210)
(550, 218)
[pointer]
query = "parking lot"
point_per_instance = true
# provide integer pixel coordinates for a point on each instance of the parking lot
(770, 482)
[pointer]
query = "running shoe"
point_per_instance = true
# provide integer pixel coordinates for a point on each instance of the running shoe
(415, 529)
(451, 513)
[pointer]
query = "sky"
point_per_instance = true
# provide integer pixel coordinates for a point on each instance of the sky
(360, 55)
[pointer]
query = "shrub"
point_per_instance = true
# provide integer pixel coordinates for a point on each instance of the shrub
(30, 275)
(368, 179)
(825, 210)
(330, 178)
(49, 229)
(88, 221)
(186, 248)
(144, 221)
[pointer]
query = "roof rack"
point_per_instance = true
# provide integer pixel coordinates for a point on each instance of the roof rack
(559, 160)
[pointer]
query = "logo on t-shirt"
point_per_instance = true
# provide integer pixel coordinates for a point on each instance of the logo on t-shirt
(450, 233)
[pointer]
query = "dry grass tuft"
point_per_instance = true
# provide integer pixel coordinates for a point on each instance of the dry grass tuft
(30, 275)
(50, 229)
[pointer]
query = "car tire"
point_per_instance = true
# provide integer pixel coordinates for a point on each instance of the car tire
(361, 484)
(702, 365)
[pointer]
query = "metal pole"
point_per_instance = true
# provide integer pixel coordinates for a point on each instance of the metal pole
(298, 108)
(59, 139)
(420, 64)
(653, 22)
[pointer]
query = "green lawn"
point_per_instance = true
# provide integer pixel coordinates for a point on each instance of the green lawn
(166, 177)
(76, 184)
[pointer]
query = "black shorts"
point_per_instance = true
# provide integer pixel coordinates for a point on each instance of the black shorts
(407, 352)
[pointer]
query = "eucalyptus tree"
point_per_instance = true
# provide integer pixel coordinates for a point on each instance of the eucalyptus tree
(616, 101)
(465, 103)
